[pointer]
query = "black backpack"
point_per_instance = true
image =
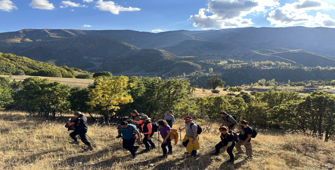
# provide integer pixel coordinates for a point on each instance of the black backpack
(155, 127)
(235, 136)
(199, 128)
(233, 116)
(254, 133)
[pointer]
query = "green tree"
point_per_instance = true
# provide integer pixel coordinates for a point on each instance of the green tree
(43, 96)
(215, 82)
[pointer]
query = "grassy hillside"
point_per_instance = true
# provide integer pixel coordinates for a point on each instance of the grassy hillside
(12, 64)
(73, 82)
(36, 143)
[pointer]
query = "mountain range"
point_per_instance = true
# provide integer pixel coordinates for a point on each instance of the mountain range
(133, 52)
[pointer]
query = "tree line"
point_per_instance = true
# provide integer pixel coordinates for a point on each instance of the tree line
(115, 96)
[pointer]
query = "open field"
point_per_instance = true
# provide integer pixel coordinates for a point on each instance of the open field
(37, 143)
(73, 82)
(199, 92)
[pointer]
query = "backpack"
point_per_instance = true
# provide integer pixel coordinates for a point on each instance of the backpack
(199, 128)
(155, 127)
(235, 136)
(131, 128)
(233, 116)
(254, 133)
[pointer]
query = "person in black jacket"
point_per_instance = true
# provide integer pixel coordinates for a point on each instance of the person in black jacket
(227, 142)
(80, 125)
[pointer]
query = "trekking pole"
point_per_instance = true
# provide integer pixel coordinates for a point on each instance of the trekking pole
(180, 135)
(91, 140)
(158, 141)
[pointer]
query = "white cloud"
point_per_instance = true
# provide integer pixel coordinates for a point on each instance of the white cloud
(86, 26)
(296, 13)
(157, 30)
(113, 7)
(230, 13)
(7, 5)
(71, 4)
(42, 4)
(88, 1)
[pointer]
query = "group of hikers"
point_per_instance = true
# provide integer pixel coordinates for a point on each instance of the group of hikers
(131, 129)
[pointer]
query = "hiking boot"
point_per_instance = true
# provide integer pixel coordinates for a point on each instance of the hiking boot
(136, 148)
(147, 150)
(163, 157)
(214, 153)
(89, 148)
(74, 142)
(230, 161)
(152, 147)
(186, 153)
(170, 153)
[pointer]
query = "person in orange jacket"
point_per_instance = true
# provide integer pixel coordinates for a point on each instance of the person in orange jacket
(147, 131)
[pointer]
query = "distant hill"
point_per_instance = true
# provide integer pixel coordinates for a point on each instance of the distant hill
(93, 49)
(82, 52)
(149, 62)
(295, 57)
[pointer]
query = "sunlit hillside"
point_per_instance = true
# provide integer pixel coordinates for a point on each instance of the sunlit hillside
(37, 143)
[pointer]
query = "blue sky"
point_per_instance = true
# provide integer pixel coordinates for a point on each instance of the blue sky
(164, 15)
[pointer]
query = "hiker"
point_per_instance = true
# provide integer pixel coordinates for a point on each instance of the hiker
(190, 140)
(148, 133)
(165, 131)
(169, 118)
(80, 128)
(245, 139)
(227, 142)
(136, 118)
(127, 132)
(228, 120)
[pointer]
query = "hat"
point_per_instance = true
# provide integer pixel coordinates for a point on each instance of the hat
(188, 117)
(77, 113)
(145, 117)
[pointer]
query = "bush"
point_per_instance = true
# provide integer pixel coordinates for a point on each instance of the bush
(49, 73)
(102, 73)
(19, 72)
(84, 76)
(215, 91)
(253, 92)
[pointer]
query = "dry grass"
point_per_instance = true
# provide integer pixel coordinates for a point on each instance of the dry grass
(73, 82)
(36, 143)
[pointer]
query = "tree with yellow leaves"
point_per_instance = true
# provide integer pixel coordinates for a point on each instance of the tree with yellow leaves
(109, 93)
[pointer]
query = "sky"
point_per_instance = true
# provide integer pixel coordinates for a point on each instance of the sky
(163, 15)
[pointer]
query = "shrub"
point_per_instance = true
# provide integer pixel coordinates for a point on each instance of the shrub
(215, 91)
(49, 73)
(253, 92)
(19, 72)
(102, 73)
(84, 76)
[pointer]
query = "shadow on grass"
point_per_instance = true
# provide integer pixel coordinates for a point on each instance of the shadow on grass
(29, 159)
(187, 161)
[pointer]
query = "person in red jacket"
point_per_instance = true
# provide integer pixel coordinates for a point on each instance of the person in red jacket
(147, 131)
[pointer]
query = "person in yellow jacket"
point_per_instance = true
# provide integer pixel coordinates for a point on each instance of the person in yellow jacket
(190, 140)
